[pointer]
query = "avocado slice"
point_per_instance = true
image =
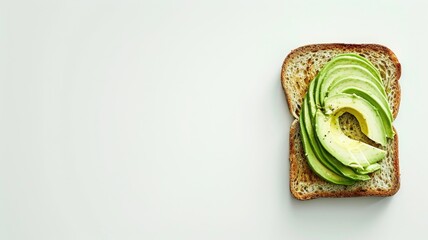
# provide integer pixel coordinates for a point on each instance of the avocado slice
(350, 73)
(387, 123)
(308, 114)
(368, 117)
(319, 168)
(367, 83)
(346, 65)
(353, 70)
(344, 170)
(310, 96)
(340, 85)
(316, 148)
(368, 91)
(348, 151)
(371, 168)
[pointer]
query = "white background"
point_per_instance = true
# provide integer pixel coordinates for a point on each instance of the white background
(166, 119)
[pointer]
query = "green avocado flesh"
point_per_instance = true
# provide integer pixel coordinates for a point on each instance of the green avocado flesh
(347, 83)
(316, 165)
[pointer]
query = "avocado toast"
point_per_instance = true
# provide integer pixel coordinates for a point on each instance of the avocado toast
(300, 69)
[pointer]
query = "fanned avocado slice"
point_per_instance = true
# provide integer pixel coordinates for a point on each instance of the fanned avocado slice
(368, 117)
(316, 166)
(315, 145)
(346, 65)
(347, 83)
(348, 151)
(324, 157)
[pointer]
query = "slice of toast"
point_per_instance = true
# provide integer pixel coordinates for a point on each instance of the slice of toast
(299, 69)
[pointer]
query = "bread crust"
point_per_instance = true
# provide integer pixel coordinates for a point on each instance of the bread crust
(297, 172)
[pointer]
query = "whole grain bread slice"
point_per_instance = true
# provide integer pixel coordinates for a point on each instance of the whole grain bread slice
(299, 69)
